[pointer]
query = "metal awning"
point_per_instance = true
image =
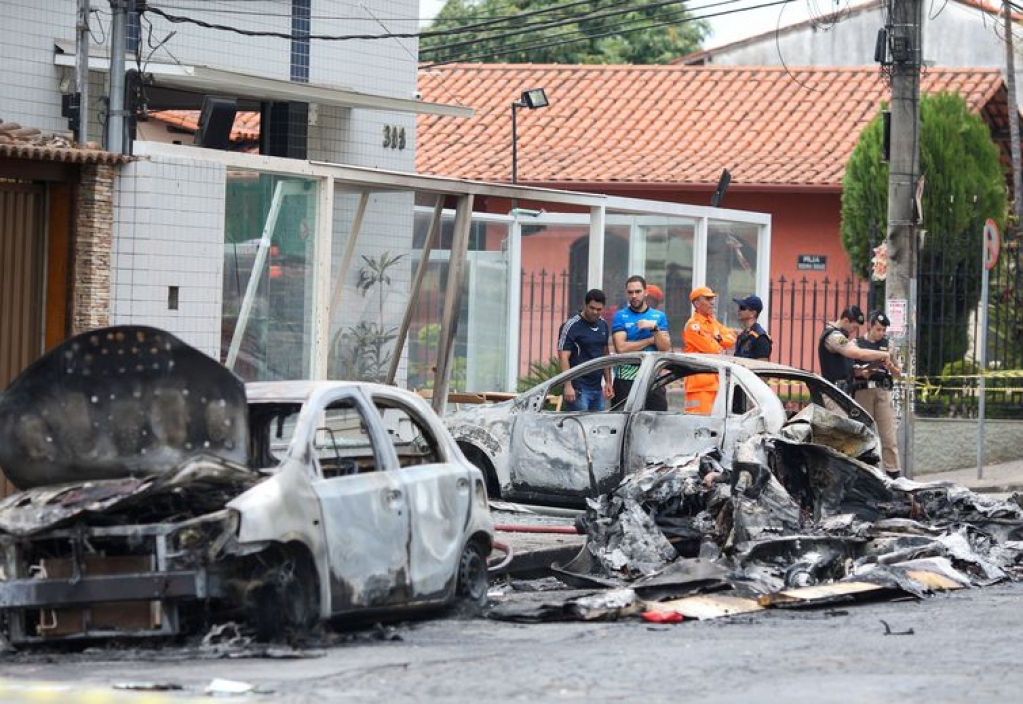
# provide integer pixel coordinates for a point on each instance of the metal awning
(214, 81)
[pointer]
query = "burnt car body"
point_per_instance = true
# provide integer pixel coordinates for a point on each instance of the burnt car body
(161, 495)
(533, 452)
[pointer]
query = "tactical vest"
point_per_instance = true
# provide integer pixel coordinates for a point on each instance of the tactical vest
(834, 367)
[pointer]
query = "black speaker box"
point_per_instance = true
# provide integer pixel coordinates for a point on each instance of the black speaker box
(215, 122)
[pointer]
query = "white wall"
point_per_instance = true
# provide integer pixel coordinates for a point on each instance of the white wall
(169, 231)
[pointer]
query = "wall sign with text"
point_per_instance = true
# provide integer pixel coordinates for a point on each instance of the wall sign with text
(813, 262)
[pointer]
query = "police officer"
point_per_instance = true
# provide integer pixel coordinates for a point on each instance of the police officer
(837, 349)
(872, 385)
(753, 341)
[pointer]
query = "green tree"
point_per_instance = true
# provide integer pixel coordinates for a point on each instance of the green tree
(965, 185)
(542, 32)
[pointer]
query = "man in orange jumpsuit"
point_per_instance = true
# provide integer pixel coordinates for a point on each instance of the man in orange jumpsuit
(703, 333)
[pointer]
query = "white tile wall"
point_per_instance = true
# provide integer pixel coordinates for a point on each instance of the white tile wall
(169, 231)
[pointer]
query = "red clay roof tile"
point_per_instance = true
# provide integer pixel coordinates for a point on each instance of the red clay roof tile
(662, 124)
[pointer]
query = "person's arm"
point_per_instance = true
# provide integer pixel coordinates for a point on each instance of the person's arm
(624, 345)
(762, 348)
(699, 341)
(725, 336)
(854, 351)
(662, 335)
(609, 387)
(564, 362)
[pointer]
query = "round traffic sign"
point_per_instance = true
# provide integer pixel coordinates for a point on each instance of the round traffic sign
(992, 244)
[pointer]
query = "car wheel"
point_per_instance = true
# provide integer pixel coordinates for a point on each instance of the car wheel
(287, 600)
(473, 580)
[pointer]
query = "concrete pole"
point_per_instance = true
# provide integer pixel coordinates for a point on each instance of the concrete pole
(118, 45)
(1010, 77)
(82, 71)
(906, 52)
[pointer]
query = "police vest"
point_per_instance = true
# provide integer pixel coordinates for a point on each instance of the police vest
(834, 367)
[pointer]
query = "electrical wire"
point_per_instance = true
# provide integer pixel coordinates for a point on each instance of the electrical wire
(618, 30)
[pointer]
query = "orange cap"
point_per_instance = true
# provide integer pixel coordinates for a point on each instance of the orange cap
(702, 291)
(654, 291)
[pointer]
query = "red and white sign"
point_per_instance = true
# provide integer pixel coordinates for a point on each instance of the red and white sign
(992, 244)
(896, 309)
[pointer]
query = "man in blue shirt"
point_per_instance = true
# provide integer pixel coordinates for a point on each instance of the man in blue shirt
(583, 337)
(638, 328)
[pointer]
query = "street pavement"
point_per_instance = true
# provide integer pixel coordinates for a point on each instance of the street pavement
(1002, 478)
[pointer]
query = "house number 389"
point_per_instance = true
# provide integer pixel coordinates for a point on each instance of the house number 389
(394, 137)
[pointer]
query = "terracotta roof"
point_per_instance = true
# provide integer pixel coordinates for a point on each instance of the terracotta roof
(662, 124)
(33, 144)
(245, 128)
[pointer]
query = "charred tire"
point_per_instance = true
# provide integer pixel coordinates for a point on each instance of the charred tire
(287, 600)
(480, 460)
(473, 580)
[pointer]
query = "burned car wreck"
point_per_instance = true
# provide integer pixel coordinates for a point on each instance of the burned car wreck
(160, 495)
(533, 452)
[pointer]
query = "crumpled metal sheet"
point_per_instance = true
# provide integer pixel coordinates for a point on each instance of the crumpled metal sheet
(118, 402)
(817, 425)
(196, 487)
(791, 515)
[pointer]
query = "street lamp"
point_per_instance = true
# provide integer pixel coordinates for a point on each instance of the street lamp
(531, 99)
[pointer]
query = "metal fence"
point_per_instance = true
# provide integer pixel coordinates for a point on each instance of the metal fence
(948, 332)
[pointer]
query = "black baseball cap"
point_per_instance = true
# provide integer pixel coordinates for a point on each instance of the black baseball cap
(878, 316)
(752, 302)
(855, 314)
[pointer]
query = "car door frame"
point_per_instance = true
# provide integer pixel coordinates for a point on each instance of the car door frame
(656, 436)
(544, 461)
(366, 519)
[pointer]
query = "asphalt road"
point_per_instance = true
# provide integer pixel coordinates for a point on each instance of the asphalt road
(963, 646)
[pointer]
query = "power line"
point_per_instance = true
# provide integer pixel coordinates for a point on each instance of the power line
(515, 31)
(612, 32)
(180, 19)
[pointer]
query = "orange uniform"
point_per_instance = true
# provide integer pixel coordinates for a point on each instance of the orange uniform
(704, 334)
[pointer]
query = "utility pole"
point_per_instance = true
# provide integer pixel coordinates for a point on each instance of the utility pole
(1010, 78)
(82, 71)
(905, 45)
(115, 94)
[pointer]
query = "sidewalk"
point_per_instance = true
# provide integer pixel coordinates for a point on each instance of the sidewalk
(1002, 478)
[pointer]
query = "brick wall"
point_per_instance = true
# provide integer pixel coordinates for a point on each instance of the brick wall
(93, 244)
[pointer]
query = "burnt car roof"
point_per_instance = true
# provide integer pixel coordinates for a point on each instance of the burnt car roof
(116, 402)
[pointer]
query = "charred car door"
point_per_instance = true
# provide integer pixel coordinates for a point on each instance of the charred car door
(556, 453)
(437, 492)
(656, 436)
(365, 508)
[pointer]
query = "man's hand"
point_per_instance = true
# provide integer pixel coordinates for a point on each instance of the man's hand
(609, 391)
(569, 392)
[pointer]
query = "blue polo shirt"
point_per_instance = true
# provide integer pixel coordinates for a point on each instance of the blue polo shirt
(625, 320)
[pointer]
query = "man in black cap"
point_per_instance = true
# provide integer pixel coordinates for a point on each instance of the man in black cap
(753, 342)
(872, 384)
(837, 349)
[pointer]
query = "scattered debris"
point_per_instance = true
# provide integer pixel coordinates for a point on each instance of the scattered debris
(791, 524)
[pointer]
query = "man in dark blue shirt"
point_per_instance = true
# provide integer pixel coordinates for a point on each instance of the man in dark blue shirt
(583, 337)
(753, 341)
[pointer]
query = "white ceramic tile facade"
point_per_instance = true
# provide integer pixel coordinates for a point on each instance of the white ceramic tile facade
(167, 241)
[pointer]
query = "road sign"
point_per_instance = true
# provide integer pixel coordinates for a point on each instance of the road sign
(992, 244)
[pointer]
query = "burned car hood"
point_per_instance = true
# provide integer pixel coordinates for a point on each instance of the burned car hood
(127, 401)
(194, 488)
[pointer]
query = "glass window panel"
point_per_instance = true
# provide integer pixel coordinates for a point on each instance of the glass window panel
(270, 223)
(732, 249)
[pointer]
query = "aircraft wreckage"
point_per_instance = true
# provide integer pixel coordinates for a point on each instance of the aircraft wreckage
(793, 522)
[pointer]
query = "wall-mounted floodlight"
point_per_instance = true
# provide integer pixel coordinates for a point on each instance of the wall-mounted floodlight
(532, 99)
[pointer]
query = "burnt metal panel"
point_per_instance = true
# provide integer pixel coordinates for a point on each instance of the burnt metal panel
(117, 402)
(26, 593)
